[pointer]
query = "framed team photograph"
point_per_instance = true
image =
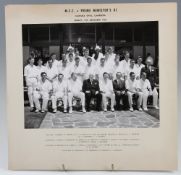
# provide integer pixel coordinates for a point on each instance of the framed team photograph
(92, 86)
(91, 75)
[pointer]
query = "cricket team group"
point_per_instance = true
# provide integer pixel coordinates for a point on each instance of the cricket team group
(98, 77)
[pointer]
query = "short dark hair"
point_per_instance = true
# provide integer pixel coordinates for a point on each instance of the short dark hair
(30, 59)
(86, 50)
(70, 54)
(50, 58)
(77, 58)
(143, 72)
(125, 52)
(89, 58)
(64, 60)
(131, 73)
(105, 73)
(32, 54)
(116, 57)
(43, 73)
(61, 74)
(52, 54)
(40, 59)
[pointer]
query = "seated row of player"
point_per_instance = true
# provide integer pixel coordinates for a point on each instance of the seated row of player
(92, 88)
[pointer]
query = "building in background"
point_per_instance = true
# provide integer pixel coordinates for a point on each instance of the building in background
(140, 38)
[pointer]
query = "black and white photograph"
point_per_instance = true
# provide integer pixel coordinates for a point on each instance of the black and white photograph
(91, 75)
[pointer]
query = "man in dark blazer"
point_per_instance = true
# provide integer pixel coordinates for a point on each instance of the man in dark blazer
(91, 89)
(152, 72)
(120, 91)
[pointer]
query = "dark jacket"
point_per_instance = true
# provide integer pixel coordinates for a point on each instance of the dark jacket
(119, 87)
(87, 86)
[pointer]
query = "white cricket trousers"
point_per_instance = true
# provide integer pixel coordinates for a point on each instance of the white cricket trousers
(80, 95)
(130, 98)
(155, 98)
(31, 83)
(57, 96)
(41, 95)
(104, 99)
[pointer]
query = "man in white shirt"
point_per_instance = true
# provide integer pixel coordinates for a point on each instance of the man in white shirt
(89, 68)
(145, 87)
(116, 67)
(138, 67)
(111, 56)
(52, 71)
(97, 55)
(126, 62)
(40, 68)
(31, 79)
(106, 56)
(133, 90)
(106, 88)
(70, 50)
(65, 69)
(60, 89)
(86, 55)
(83, 50)
(63, 56)
(75, 90)
(77, 54)
(55, 61)
(78, 69)
(131, 68)
(100, 69)
(70, 60)
(42, 91)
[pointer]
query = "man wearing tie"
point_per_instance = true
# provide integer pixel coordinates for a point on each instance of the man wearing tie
(120, 91)
(91, 89)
